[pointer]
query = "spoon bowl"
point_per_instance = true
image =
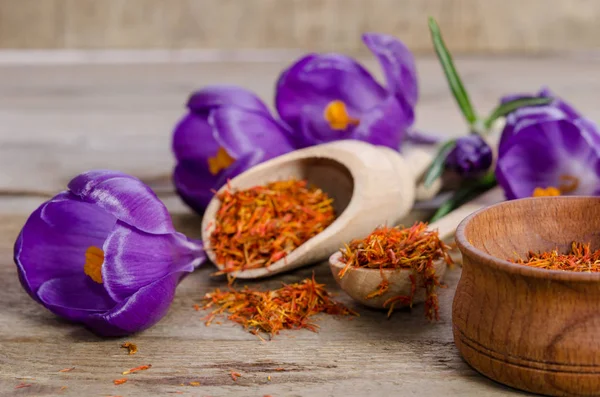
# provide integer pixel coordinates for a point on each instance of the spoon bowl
(360, 282)
(368, 184)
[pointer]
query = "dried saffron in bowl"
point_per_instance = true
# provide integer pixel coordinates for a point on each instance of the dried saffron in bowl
(579, 259)
(261, 225)
(393, 248)
(289, 307)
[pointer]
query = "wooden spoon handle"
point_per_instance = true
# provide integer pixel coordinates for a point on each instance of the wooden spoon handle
(448, 224)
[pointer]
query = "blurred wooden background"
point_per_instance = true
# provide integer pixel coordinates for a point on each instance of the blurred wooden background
(470, 26)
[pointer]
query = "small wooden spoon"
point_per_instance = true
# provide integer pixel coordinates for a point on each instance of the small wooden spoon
(359, 282)
(370, 186)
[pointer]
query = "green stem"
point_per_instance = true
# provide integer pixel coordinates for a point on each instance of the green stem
(465, 194)
(454, 80)
(508, 107)
(436, 169)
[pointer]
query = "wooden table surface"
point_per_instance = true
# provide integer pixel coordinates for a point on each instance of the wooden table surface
(57, 121)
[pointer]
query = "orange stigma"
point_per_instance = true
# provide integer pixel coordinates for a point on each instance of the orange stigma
(94, 258)
(337, 116)
(544, 192)
(220, 161)
(569, 184)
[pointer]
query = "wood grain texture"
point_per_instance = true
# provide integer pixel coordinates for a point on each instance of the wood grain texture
(530, 328)
(495, 26)
(115, 24)
(348, 357)
(31, 24)
(58, 121)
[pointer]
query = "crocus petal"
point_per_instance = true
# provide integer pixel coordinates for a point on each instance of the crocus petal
(384, 124)
(317, 80)
(194, 184)
(559, 103)
(135, 259)
(222, 95)
(140, 311)
(74, 297)
(521, 118)
(125, 197)
(239, 132)
(471, 156)
(422, 137)
(542, 153)
(53, 242)
(193, 139)
(248, 138)
(397, 63)
(556, 110)
(244, 163)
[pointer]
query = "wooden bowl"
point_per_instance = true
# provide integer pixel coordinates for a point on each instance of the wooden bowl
(532, 329)
(358, 283)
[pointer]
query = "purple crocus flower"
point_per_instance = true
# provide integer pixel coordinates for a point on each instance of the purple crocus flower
(556, 110)
(104, 253)
(548, 150)
(470, 157)
(549, 158)
(226, 131)
(327, 97)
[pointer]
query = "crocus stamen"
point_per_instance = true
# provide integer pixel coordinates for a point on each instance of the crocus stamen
(543, 192)
(569, 185)
(337, 116)
(94, 258)
(220, 161)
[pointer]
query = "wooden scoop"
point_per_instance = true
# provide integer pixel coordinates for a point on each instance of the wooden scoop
(359, 282)
(370, 186)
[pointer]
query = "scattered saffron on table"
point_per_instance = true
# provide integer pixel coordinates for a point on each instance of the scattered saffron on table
(136, 369)
(67, 369)
(197, 307)
(64, 388)
(414, 248)
(580, 258)
(269, 378)
(289, 307)
(119, 381)
(194, 383)
(22, 385)
(235, 375)
(259, 226)
(131, 347)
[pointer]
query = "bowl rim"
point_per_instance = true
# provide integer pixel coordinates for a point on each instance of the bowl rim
(335, 261)
(504, 265)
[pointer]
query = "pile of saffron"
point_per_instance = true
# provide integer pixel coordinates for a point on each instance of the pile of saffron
(289, 307)
(261, 225)
(580, 258)
(415, 248)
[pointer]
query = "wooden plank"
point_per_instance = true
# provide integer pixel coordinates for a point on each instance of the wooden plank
(57, 121)
(369, 354)
(31, 24)
(470, 26)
